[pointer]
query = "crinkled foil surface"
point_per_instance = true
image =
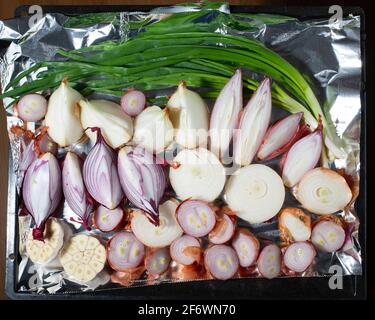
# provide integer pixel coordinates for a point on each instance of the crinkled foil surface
(329, 55)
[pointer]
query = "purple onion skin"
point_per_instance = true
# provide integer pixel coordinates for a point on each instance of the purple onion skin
(42, 191)
(74, 189)
(100, 174)
(142, 179)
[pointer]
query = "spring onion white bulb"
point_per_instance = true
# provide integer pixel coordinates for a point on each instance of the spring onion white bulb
(197, 174)
(323, 191)
(255, 193)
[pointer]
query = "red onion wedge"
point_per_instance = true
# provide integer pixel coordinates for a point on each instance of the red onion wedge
(323, 191)
(42, 191)
(255, 193)
(100, 174)
(107, 220)
(157, 236)
(223, 230)
(133, 102)
(299, 256)
(142, 179)
(74, 189)
(253, 125)
(269, 261)
(246, 246)
(328, 235)
(281, 136)
(157, 261)
(294, 225)
(302, 157)
(225, 115)
(186, 250)
(221, 261)
(198, 174)
(124, 251)
(32, 107)
(195, 217)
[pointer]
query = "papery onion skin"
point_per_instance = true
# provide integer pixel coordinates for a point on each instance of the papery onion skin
(253, 124)
(178, 252)
(127, 277)
(243, 242)
(299, 256)
(225, 114)
(100, 174)
(281, 136)
(195, 217)
(74, 189)
(124, 251)
(142, 179)
(42, 191)
(133, 102)
(269, 261)
(157, 261)
(32, 107)
(108, 220)
(302, 157)
(62, 118)
(318, 190)
(328, 234)
(221, 261)
(301, 225)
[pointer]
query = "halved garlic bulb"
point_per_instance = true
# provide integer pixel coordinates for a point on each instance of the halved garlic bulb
(323, 191)
(255, 193)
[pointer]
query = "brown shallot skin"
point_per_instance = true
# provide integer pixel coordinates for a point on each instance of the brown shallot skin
(127, 277)
(194, 271)
(286, 236)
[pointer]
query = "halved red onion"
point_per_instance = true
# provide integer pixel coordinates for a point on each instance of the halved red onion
(157, 261)
(299, 256)
(247, 247)
(186, 250)
(223, 230)
(195, 217)
(133, 102)
(302, 157)
(328, 236)
(32, 107)
(281, 136)
(253, 124)
(269, 261)
(142, 179)
(100, 174)
(42, 191)
(294, 225)
(224, 116)
(124, 251)
(221, 261)
(107, 220)
(74, 189)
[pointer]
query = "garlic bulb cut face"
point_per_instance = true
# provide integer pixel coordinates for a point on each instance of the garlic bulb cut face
(153, 130)
(115, 125)
(189, 115)
(62, 118)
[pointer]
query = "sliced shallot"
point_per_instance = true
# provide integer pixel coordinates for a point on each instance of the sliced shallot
(107, 220)
(133, 102)
(32, 107)
(186, 250)
(328, 236)
(323, 191)
(246, 246)
(299, 256)
(124, 251)
(255, 193)
(221, 261)
(269, 261)
(157, 261)
(280, 136)
(302, 157)
(195, 217)
(197, 174)
(223, 230)
(294, 225)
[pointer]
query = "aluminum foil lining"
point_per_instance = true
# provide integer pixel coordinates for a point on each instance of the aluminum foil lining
(328, 55)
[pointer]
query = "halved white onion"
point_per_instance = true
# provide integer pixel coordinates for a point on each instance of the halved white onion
(161, 236)
(197, 174)
(323, 191)
(255, 193)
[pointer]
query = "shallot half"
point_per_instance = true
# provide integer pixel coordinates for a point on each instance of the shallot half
(32, 107)
(223, 230)
(157, 261)
(186, 250)
(299, 256)
(247, 247)
(269, 261)
(294, 225)
(328, 235)
(133, 102)
(107, 220)
(221, 261)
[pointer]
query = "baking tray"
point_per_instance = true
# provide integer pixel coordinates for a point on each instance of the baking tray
(354, 287)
